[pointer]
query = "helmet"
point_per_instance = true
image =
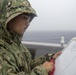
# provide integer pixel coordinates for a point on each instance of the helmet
(12, 8)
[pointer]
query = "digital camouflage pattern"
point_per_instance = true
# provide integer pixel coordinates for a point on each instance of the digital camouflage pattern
(15, 59)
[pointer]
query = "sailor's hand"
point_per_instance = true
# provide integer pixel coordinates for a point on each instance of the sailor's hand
(49, 66)
(56, 55)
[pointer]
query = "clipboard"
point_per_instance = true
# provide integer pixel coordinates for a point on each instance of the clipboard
(65, 64)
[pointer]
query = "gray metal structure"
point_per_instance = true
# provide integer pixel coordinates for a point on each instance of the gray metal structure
(38, 48)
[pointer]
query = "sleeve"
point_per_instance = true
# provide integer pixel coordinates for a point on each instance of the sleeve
(7, 69)
(40, 60)
(11, 68)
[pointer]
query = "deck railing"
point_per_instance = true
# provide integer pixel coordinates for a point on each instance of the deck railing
(39, 48)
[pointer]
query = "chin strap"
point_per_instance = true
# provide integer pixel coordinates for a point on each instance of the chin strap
(52, 72)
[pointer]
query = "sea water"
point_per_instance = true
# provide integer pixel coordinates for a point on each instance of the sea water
(48, 36)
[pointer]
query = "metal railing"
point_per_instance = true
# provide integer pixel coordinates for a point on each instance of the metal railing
(39, 48)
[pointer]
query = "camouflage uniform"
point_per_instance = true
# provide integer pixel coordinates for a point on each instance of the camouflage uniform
(15, 59)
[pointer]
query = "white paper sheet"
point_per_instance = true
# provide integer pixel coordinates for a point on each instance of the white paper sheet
(65, 64)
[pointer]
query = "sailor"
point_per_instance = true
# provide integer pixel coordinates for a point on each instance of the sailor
(15, 58)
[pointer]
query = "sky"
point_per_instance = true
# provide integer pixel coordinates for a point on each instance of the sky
(53, 15)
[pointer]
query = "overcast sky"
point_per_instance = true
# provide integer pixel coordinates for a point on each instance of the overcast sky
(54, 15)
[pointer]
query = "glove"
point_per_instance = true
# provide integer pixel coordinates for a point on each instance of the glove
(52, 72)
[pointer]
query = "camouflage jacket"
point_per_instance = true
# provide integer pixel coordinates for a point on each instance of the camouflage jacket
(15, 59)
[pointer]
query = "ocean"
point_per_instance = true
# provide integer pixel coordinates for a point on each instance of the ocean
(48, 36)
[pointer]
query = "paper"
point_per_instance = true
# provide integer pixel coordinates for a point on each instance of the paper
(66, 62)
